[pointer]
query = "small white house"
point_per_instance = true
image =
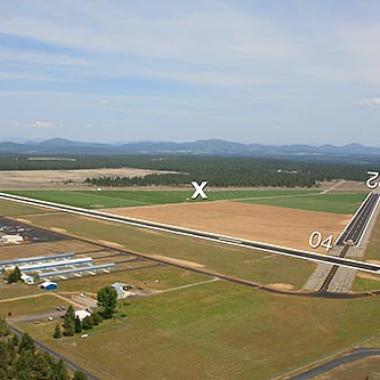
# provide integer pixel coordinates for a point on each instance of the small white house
(12, 239)
(27, 279)
(82, 314)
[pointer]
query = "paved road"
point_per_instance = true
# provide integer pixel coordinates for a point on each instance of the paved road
(368, 267)
(326, 283)
(356, 228)
(357, 354)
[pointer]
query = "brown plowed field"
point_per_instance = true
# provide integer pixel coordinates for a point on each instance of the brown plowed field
(275, 225)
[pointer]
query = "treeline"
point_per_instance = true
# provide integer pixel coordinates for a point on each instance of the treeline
(219, 171)
(236, 172)
(20, 360)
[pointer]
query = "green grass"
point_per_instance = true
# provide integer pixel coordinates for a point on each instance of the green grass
(293, 198)
(218, 331)
(109, 199)
(336, 203)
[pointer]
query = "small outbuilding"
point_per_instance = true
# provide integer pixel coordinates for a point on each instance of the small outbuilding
(27, 279)
(49, 286)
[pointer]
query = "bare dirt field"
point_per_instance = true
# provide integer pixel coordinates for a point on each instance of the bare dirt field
(342, 186)
(275, 225)
(55, 179)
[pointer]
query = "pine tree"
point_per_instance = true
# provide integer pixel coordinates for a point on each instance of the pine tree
(59, 371)
(70, 312)
(69, 322)
(78, 325)
(107, 300)
(14, 275)
(68, 326)
(57, 332)
(27, 343)
(17, 274)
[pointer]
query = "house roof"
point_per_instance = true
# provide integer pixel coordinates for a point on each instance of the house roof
(47, 283)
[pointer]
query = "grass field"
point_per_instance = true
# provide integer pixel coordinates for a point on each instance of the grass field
(336, 203)
(218, 331)
(372, 252)
(262, 267)
(109, 199)
(45, 303)
(167, 277)
(12, 209)
(373, 249)
(16, 290)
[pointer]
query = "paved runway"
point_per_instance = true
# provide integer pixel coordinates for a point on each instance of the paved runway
(356, 228)
(369, 267)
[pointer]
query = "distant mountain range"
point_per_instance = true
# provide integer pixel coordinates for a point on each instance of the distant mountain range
(206, 147)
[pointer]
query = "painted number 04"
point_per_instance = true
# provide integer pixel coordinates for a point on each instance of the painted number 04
(316, 240)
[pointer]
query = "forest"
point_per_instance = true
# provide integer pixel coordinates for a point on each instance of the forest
(21, 360)
(218, 171)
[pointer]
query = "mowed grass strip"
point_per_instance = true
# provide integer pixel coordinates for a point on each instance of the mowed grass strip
(132, 198)
(336, 203)
(218, 331)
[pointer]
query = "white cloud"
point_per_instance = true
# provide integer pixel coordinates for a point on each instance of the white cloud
(369, 102)
(39, 124)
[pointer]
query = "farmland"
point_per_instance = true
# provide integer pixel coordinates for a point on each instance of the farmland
(273, 225)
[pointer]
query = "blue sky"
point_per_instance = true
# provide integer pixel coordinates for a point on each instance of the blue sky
(275, 72)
